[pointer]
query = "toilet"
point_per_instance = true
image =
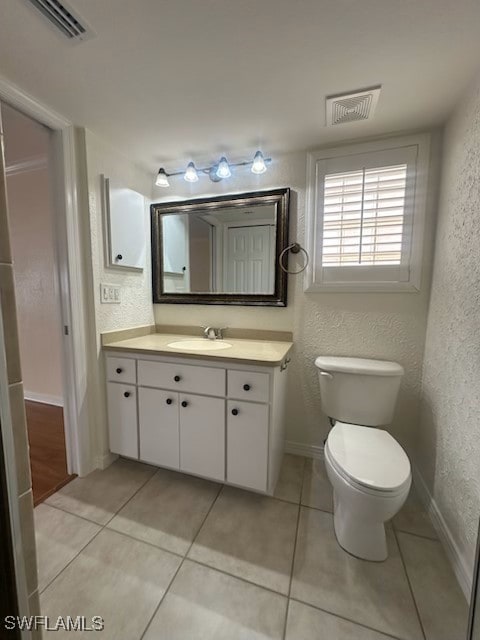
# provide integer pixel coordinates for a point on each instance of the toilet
(369, 471)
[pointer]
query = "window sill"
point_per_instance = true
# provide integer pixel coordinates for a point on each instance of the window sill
(362, 287)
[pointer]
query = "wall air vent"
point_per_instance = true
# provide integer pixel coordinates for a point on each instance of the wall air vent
(350, 107)
(64, 19)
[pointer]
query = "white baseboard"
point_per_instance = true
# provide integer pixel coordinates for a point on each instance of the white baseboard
(302, 449)
(43, 398)
(104, 461)
(461, 568)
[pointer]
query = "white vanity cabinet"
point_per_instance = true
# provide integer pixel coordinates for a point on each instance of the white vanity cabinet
(212, 418)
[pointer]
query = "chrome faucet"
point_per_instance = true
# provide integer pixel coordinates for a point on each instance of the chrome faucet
(213, 333)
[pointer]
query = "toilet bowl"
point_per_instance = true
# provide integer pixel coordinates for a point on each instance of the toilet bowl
(371, 477)
(369, 471)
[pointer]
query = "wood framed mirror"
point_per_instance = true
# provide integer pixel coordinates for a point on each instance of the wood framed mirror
(221, 250)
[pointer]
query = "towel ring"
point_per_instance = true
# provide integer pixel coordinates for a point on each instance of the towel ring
(294, 248)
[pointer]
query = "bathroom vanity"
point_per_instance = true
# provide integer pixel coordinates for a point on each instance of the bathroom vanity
(215, 409)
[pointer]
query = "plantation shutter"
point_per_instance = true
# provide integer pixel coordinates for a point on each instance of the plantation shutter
(363, 217)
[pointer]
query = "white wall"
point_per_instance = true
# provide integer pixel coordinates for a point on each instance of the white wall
(449, 437)
(32, 243)
(379, 325)
(136, 290)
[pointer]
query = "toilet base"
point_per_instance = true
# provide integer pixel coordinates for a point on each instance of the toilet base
(365, 540)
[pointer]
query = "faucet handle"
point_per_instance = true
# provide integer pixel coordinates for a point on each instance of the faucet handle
(219, 332)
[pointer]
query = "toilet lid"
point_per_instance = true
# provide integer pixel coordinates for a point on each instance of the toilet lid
(370, 457)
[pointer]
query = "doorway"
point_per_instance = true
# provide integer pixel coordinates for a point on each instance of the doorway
(32, 238)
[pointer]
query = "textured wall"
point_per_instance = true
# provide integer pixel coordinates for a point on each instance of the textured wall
(449, 438)
(378, 325)
(136, 294)
(136, 291)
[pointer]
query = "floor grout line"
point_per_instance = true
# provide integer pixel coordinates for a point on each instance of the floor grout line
(102, 527)
(415, 535)
(404, 564)
(69, 513)
(181, 563)
(355, 622)
(299, 507)
(292, 566)
(72, 560)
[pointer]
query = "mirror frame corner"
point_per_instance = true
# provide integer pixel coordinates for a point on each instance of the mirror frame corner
(280, 197)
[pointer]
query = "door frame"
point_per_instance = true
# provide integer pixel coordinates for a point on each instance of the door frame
(75, 305)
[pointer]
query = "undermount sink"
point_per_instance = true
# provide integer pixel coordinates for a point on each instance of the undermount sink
(200, 345)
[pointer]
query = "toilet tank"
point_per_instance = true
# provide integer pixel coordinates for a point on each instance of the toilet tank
(358, 390)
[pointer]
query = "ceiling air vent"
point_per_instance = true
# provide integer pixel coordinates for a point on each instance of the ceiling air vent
(64, 19)
(350, 107)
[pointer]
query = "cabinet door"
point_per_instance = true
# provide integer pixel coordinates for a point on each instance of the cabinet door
(126, 220)
(202, 436)
(158, 427)
(122, 419)
(247, 444)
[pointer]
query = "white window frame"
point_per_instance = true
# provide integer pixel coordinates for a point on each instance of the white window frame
(414, 148)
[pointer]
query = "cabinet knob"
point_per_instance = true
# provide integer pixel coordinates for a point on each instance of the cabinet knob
(119, 256)
(246, 387)
(127, 394)
(169, 401)
(119, 369)
(177, 378)
(184, 403)
(234, 412)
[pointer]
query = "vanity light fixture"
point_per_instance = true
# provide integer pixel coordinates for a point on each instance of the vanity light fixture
(258, 164)
(191, 174)
(162, 179)
(216, 172)
(223, 170)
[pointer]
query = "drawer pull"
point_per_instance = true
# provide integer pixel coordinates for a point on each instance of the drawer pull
(119, 369)
(246, 387)
(234, 412)
(169, 401)
(184, 403)
(177, 378)
(127, 394)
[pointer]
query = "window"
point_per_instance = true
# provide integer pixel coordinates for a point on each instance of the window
(365, 216)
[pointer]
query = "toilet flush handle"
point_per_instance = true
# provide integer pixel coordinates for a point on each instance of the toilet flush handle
(326, 374)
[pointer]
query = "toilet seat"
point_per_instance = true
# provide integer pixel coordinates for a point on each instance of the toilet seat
(370, 459)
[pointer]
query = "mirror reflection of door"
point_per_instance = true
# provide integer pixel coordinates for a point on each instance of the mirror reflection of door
(248, 259)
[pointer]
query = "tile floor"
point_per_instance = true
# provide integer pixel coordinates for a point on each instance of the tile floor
(164, 556)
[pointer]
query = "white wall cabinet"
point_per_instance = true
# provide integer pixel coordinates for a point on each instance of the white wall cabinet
(215, 419)
(125, 217)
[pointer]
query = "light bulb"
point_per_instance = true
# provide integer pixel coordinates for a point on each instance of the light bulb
(258, 164)
(191, 174)
(223, 170)
(162, 179)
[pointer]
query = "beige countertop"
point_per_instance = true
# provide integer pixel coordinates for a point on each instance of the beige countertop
(266, 352)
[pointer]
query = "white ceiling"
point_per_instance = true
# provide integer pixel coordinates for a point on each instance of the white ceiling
(167, 81)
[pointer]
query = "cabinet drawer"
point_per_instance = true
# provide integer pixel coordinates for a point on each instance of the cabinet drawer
(247, 444)
(181, 377)
(122, 419)
(121, 370)
(246, 385)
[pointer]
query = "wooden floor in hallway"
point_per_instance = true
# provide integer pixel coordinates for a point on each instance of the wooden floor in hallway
(48, 460)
